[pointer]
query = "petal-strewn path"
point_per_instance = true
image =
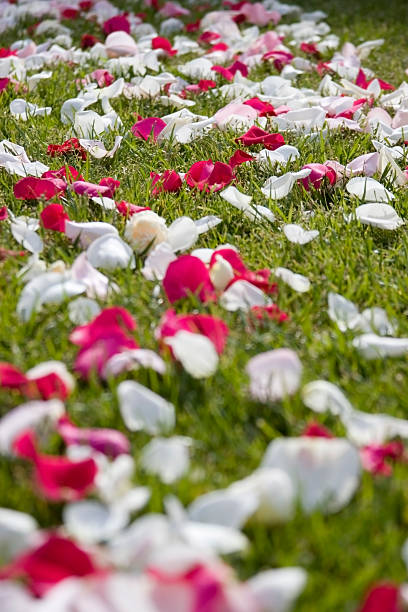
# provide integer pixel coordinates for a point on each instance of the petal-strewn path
(204, 340)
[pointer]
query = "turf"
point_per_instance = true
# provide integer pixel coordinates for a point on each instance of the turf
(343, 553)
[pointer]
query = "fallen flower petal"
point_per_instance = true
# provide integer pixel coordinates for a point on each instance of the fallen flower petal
(372, 346)
(53, 217)
(383, 597)
(326, 471)
(369, 190)
(109, 251)
(167, 457)
(238, 158)
(209, 176)
(141, 409)
(318, 173)
(146, 230)
(118, 23)
(379, 215)
(58, 478)
(168, 181)
(296, 234)
(159, 42)
(215, 329)
(373, 457)
(298, 282)
(256, 135)
(144, 128)
(274, 374)
(54, 560)
(195, 352)
(270, 312)
(31, 415)
(242, 295)
(132, 359)
(187, 276)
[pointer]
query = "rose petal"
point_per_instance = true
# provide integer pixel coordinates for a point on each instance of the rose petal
(372, 346)
(274, 374)
(168, 458)
(326, 471)
(196, 353)
(369, 190)
(242, 295)
(141, 409)
(379, 215)
(296, 234)
(110, 252)
(298, 282)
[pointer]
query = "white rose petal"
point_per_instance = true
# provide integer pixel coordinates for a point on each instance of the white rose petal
(296, 234)
(26, 416)
(196, 353)
(145, 230)
(132, 360)
(182, 234)
(276, 590)
(207, 223)
(324, 396)
(343, 312)
(379, 215)
(242, 295)
(372, 346)
(225, 507)
(274, 374)
(236, 198)
(87, 232)
(91, 522)
(221, 273)
(47, 288)
(97, 149)
(369, 190)
(142, 409)
(157, 262)
(24, 110)
(82, 310)
(278, 187)
(298, 282)
(110, 252)
(217, 538)
(26, 237)
(281, 156)
(326, 471)
(16, 532)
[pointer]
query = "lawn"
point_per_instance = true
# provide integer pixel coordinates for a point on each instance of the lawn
(344, 553)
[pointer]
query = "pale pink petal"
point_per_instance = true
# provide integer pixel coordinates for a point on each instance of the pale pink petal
(274, 374)
(128, 360)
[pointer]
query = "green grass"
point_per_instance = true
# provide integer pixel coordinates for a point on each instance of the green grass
(343, 553)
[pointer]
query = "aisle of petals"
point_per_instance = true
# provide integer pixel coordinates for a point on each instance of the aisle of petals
(102, 556)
